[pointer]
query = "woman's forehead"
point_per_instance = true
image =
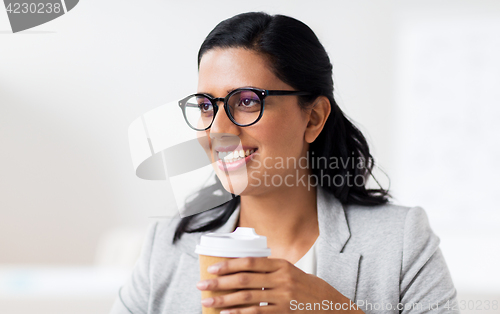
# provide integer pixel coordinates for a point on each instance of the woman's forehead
(223, 70)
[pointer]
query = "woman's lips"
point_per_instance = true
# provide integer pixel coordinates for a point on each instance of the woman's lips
(225, 165)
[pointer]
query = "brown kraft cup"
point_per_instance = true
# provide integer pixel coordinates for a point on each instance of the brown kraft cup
(219, 247)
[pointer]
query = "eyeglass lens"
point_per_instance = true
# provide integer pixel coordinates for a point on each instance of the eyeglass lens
(244, 108)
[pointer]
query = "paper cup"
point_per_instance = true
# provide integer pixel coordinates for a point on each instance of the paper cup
(218, 247)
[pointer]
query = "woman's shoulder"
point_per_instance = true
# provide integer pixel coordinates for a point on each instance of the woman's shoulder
(389, 215)
(160, 265)
(391, 224)
(399, 247)
(164, 232)
(161, 234)
(158, 249)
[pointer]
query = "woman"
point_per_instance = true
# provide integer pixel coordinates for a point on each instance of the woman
(264, 105)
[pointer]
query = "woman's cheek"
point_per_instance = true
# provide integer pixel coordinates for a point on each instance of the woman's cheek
(255, 164)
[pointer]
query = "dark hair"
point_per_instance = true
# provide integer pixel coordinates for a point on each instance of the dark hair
(299, 59)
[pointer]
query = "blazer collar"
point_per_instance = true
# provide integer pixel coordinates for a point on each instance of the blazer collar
(332, 220)
(334, 265)
(338, 268)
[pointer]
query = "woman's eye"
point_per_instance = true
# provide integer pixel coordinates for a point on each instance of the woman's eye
(204, 107)
(248, 102)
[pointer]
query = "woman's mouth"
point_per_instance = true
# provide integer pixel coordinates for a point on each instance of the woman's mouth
(231, 160)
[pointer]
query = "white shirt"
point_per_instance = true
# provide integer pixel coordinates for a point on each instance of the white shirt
(308, 262)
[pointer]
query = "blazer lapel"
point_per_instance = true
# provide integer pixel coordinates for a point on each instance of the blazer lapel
(337, 268)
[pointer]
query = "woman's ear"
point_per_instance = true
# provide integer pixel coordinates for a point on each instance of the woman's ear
(317, 118)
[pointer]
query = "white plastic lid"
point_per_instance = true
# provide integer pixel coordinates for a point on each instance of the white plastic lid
(243, 242)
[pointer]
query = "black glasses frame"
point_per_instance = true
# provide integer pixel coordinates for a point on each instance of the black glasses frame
(261, 93)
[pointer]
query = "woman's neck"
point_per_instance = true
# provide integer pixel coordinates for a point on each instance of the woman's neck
(287, 217)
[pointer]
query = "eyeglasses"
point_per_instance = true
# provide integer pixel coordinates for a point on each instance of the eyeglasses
(243, 106)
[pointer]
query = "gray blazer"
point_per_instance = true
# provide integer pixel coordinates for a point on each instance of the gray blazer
(384, 258)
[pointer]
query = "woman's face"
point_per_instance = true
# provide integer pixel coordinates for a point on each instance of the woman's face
(278, 135)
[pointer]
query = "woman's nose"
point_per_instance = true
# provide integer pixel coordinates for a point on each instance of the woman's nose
(222, 123)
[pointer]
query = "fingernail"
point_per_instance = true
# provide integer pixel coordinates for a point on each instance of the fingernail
(225, 312)
(202, 285)
(214, 269)
(207, 302)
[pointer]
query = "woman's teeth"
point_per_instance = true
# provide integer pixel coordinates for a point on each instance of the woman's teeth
(234, 155)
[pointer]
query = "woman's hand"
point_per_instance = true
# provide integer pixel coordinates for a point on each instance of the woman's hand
(287, 288)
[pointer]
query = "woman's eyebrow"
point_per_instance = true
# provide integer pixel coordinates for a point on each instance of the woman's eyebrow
(228, 91)
(240, 87)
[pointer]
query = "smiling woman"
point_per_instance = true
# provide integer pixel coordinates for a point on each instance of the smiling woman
(334, 242)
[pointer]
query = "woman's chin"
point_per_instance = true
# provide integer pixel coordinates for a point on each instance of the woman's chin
(234, 184)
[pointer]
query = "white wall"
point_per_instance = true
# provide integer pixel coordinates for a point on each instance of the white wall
(70, 88)
(445, 151)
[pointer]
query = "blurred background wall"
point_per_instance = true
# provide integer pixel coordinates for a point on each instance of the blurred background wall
(420, 78)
